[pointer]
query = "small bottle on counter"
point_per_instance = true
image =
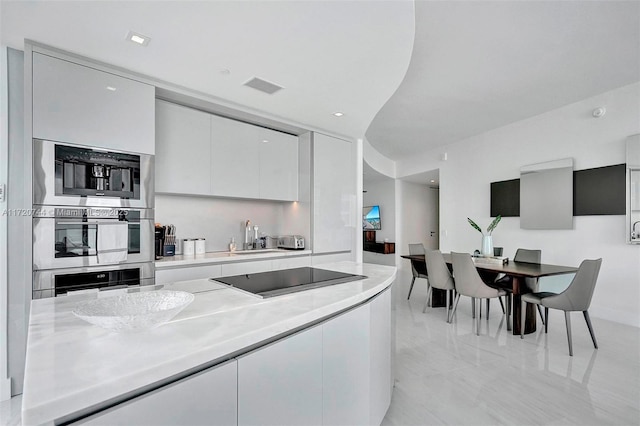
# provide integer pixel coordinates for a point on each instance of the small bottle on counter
(248, 242)
(232, 244)
(256, 240)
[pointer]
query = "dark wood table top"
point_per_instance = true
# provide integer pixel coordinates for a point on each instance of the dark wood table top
(514, 269)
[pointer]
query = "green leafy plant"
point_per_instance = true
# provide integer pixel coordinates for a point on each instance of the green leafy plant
(490, 228)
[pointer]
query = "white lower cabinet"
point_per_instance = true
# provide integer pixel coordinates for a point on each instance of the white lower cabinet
(345, 368)
(246, 267)
(281, 384)
(168, 276)
(291, 262)
(207, 398)
(334, 373)
(380, 356)
(172, 275)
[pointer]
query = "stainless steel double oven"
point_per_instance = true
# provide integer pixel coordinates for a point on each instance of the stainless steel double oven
(93, 218)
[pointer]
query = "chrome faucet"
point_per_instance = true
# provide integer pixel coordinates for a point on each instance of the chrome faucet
(634, 234)
(248, 243)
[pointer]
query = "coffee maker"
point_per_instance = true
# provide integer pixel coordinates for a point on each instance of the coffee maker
(159, 241)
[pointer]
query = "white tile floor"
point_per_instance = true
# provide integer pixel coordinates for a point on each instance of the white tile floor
(445, 374)
(10, 412)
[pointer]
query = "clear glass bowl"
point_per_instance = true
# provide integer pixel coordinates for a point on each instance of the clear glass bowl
(133, 312)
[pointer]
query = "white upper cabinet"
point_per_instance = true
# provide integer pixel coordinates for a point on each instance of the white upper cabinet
(235, 164)
(183, 150)
(334, 194)
(78, 104)
(278, 165)
(204, 154)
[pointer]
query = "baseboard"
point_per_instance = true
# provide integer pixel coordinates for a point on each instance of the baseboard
(622, 317)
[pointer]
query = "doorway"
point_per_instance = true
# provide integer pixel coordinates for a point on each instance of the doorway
(418, 201)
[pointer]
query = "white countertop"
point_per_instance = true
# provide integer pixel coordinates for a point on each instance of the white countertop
(72, 365)
(226, 257)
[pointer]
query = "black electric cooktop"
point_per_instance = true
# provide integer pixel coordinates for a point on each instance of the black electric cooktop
(276, 283)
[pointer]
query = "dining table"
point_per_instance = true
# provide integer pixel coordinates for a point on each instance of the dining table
(518, 271)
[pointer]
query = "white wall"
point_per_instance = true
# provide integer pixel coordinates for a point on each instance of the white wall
(416, 217)
(569, 131)
(382, 192)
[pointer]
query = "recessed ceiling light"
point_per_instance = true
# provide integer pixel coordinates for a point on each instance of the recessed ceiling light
(225, 71)
(111, 88)
(338, 114)
(138, 38)
(265, 141)
(432, 181)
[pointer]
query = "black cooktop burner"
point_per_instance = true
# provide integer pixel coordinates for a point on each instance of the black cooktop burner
(276, 283)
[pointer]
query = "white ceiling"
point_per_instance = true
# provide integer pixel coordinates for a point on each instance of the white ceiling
(371, 176)
(475, 65)
(330, 56)
(480, 65)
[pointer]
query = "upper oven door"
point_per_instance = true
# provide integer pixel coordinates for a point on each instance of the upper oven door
(76, 175)
(69, 238)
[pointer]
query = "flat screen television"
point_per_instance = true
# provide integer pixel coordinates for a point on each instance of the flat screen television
(371, 218)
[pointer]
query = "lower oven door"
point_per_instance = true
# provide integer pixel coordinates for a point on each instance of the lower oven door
(59, 282)
(68, 238)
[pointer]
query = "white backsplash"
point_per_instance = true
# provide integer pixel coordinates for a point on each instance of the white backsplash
(219, 219)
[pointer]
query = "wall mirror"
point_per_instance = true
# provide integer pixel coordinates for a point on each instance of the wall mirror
(546, 195)
(633, 189)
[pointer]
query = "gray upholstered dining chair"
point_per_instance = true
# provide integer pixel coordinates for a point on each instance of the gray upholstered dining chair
(528, 256)
(439, 277)
(468, 283)
(419, 269)
(576, 297)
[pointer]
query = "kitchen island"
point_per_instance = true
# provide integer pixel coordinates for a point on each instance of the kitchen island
(79, 372)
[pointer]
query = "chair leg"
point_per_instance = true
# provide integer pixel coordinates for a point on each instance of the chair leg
(429, 293)
(413, 280)
(509, 310)
(473, 307)
(426, 301)
(567, 319)
(523, 313)
(448, 297)
(501, 304)
(455, 305)
(540, 312)
(593, 336)
(546, 320)
(478, 317)
(488, 304)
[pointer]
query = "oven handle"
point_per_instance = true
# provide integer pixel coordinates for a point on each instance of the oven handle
(90, 222)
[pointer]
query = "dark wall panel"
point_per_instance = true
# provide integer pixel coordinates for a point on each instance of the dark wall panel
(505, 198)
(599, 191)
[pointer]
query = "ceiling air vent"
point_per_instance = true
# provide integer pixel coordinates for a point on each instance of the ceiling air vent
(263, 85)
